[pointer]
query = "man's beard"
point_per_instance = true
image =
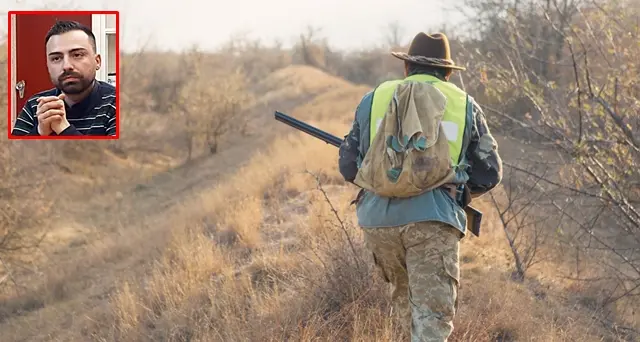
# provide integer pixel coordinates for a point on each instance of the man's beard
(73, 86)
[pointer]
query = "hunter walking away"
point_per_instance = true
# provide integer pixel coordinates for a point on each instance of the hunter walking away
(413, 217)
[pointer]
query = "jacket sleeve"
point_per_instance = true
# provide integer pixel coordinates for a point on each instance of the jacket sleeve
(26, 123)
(485, 163)
(71, 130)
(349, 151)
(112, 114)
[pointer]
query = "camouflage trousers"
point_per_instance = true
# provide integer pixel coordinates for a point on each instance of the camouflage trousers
(421, 262)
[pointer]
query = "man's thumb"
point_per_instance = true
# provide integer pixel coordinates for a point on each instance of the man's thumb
(62, 96)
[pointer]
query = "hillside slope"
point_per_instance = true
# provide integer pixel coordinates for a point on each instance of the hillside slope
(258, 243)
(115, 233)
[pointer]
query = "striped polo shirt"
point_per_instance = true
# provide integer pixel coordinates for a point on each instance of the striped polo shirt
(95, 115)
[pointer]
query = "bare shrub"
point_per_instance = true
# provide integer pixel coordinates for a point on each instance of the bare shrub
(526, 229)
(256, 59)
(22, 205)
(210, 107)
(567, 90)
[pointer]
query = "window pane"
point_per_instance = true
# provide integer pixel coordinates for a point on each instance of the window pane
(111, 62)
(111, 21)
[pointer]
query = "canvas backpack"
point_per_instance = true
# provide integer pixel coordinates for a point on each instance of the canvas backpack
(417, 126)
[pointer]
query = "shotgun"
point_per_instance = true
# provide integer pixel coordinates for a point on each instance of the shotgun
(473, 214)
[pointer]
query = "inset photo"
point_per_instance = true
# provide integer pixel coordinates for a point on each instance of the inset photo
(63, 75)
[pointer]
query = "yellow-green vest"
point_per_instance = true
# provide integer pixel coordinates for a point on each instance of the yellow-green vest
(454, 116)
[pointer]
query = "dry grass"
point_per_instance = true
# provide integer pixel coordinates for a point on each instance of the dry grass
(264, 257)
(286, 266)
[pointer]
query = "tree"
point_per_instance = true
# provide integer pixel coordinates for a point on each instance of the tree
(394, 35)
(561, 78)
(210, 106)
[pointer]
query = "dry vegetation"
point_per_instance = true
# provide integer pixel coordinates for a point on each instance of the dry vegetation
(212, 222)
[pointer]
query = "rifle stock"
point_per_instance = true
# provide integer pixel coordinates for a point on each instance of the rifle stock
(474, 216)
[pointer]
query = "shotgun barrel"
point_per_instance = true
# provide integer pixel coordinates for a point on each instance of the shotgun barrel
(299, 125)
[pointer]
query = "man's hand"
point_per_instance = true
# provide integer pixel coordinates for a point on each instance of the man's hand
(51, 115)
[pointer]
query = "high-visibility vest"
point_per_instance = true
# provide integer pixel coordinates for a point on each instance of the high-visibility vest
(453, 120)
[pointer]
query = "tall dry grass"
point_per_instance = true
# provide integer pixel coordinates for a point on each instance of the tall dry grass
(266, 257)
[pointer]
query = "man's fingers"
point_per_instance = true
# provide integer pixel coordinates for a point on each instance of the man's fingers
(45, 99)
(48, 106)
(48, 102)
(50, 119)
(49, 113)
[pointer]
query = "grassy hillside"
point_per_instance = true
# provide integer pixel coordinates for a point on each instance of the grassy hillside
(283, 267)
(266, 247)
(210, 221)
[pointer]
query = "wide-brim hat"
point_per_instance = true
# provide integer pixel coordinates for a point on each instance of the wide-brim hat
(430, 50)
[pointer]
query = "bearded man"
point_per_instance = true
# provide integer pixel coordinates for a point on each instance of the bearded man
(79, 104)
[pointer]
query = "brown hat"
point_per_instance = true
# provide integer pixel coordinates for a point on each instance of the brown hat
(430, 50)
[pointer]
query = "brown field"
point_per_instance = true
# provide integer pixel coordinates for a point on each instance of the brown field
(256, 240)
(260, 256)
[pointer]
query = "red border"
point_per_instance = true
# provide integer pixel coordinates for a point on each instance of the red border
(9, 88)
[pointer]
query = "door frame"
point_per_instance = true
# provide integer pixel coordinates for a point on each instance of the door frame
(14, 70)
(98, 24)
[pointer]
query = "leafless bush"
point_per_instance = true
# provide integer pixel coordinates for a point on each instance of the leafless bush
(22, 203)
(519, 207)
(22, 212)
(568, 89)
(209, 107)
(256, 59)
(368, 66)
(165, 81)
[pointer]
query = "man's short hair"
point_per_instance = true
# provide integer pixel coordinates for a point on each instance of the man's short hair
(414, 69)
(64, 26)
